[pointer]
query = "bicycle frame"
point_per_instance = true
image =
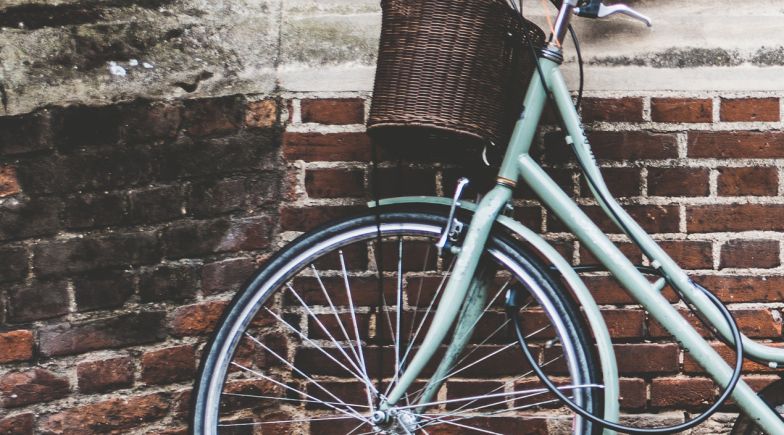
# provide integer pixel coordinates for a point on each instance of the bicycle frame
(518, 164)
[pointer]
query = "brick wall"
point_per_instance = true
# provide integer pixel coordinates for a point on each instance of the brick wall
(125, 228)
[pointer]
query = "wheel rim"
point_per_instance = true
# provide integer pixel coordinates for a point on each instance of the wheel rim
(283, 388)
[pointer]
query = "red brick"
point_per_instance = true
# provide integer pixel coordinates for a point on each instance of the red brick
(619, 145)
(117, 331)
(647, 358)
(690, 366)
(681, 110)
(630, 250)
(261, 114)
(196, 319)
(735, 217)
(21, 424)
(750, 110)
(622, 182)
(690, 254)
(334, 111)
(9, 185)
(624, 323)
(653, 218)
(678, 182)
(738, 288)
(405, 182)
(16, 346)
(750, 253)
(756, 181)
(168, 365)
(226, 275)
(634, 395)
(335, 183)
(682, 392)
(32, 386)
(314, 147)
(105, 375)
(606, 290)
(736, 144)
(110, 416)
(612, 109)
(304, 219)
(757, 323)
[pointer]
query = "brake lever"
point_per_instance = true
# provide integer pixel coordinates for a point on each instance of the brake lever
(602, 11)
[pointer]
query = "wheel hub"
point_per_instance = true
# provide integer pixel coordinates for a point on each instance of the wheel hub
(394, 422)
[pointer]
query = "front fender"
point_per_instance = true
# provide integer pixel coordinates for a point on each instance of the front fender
(590, 309)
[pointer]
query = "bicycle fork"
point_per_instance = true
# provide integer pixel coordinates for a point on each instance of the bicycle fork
(453, 299)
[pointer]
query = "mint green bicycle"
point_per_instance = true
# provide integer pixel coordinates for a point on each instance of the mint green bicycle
(433, 315)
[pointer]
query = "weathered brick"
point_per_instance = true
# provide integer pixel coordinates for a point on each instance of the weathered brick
(226, 275)
(261, 114)
(653, 218)
(630, 250)
(304, 219)
(95, 210)
(618, 145)
(633, 395)
(103, 289)
(682, 393)
(172, 282)
(37, 300)
(119, 331)
(32, 386)
(681, 110)
(736, 144)
(85, 127)
(20, 219)
(110, 416)
(756, 181)
(335, 183)
(750, 110)
(333, 110)
(647, 358)
(21, 424)
(690, 254)
(330, 147)
(196, 319)
(25, 133)
(624, 323)
(16, 345)
(95, 252)
(622, 182)
(192, 238)
(750, 253)
(739, 288)
(678, 182)
(208, 116)
(734, 217)
(757, 323)
(690, 366)
(155, 204)
(405, 181)
(216, 197)
(612, 109)
(9, 184)
(168, 365)
(13, 263)
(105, 375)
(145, 121)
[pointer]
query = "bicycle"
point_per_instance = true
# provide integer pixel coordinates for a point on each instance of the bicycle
(344, 329)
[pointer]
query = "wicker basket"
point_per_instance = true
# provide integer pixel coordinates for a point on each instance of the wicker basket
(451, 75)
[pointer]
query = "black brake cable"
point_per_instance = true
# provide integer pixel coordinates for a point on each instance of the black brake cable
(375, 181)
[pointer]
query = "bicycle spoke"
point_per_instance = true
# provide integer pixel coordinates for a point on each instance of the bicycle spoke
(399, 313)
(301, 420)
(465, 426)
(286, 399)
(301, 373)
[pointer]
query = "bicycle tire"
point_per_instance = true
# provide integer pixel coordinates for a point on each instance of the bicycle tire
(285, 389)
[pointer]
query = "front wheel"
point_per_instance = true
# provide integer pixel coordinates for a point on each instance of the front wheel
(321, 333)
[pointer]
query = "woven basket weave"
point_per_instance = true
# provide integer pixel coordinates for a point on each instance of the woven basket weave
(451, 75)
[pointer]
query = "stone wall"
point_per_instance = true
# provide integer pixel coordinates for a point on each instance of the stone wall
(153, 152)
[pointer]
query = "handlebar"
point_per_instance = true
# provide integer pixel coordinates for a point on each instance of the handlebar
(596, 9)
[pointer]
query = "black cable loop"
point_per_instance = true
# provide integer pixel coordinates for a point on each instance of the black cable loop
(512, 312)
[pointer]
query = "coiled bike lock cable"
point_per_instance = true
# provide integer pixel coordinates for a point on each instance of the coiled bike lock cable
(512, 312)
